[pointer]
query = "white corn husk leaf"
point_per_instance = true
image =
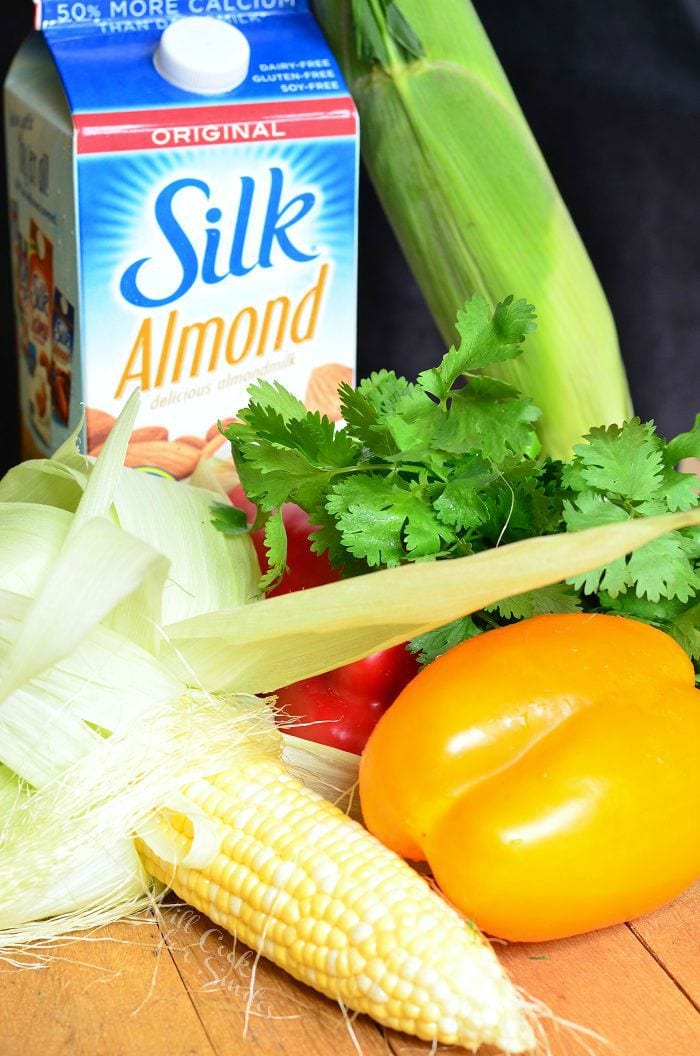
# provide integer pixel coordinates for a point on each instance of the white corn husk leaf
(224, 573)
(331, 772)
(99, 567)
(12, 789)
(68, 859)
(281, 640)
(66, 851)
(208, 570)
(47, 481)
(31, 537)
(95, 735)
(97, 498)
(105, 681)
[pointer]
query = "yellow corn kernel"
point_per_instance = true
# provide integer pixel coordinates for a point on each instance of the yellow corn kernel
(368, 930)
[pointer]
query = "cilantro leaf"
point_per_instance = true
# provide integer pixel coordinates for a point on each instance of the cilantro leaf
(292, 460)
(414, 423)
(273, 396)
(685, 628)
(326, 539)
(480, 419)
(626, 461)
(485, 338)
(621, 473)
(369, 524)
(680, 490)
(616, 577)
(571, 476)
(276, 550)
(272, 476)
(229, 519)
(589, 510)
(557, 598)
(515, 508)
(423, 534)
(383, 522)
(432, 644)
(321, 443)
(366, 407)
(662, 569)
(640, 608)
(461, 504)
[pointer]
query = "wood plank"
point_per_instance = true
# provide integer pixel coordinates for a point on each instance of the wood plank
(118, 994)
(129, 996)
(251, 1007)
(673, 937)
(607, 982)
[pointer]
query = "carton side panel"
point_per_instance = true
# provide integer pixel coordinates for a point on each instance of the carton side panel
(40, 171)
(33, 77)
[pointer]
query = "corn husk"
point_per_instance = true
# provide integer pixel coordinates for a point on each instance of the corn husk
(472, 202)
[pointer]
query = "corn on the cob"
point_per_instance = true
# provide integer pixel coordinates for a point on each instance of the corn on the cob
(298, 881)
(472, 202)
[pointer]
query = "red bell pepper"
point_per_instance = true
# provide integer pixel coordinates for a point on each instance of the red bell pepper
(341, 707)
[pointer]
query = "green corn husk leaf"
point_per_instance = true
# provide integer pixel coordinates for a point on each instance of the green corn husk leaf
(471, 200)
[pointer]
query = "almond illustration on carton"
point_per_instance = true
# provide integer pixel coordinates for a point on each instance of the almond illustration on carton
(179, 460)
(99, 425)
(176, 459)
(322, 390)
(212, 446)
(145, 433)
(193, 441)
(150, 447)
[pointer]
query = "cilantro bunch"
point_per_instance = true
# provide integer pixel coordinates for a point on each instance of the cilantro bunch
(450, 465)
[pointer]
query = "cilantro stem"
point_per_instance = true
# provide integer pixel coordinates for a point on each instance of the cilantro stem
(389, 469)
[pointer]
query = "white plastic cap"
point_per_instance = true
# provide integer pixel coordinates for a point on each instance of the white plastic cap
(203, 55)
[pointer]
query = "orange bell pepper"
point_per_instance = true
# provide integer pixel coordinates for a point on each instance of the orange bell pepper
(548, 772)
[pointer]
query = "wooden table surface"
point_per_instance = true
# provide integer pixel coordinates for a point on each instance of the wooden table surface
(181, 987)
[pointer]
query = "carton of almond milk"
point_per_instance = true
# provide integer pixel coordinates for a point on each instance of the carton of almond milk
(183, 186)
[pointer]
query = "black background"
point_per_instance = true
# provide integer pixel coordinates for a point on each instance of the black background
(612, 91)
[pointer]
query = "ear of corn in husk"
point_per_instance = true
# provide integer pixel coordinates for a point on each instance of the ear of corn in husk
(471, 200)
